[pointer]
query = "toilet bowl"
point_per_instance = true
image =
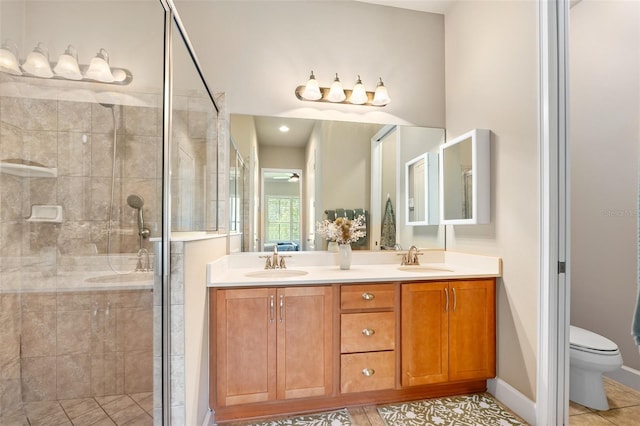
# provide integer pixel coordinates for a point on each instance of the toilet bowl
(590, 355)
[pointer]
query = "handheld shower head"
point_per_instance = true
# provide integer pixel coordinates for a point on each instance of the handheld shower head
(136, 202)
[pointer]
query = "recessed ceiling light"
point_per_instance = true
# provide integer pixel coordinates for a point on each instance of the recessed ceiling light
(284, 129)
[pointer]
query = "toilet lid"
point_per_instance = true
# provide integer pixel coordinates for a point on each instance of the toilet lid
(580, 338)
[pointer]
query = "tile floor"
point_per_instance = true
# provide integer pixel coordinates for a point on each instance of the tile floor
(136, 410)
(115, 410)
(624, 410)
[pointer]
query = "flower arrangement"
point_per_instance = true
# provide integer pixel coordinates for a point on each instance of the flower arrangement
(342, 230)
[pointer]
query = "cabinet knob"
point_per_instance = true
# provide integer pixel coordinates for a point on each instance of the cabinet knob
(368, 332)
(368, 372)
(368, 296)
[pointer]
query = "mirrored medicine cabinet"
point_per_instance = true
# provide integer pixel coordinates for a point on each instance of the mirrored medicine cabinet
(465, 179)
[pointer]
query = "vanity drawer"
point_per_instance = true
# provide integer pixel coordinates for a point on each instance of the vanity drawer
(368, 296)
(367, 372)
(371, 331)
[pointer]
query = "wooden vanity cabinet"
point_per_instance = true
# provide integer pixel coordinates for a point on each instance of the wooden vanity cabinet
(273, 344)
(286, 350)
(448, 331)
(367, 337)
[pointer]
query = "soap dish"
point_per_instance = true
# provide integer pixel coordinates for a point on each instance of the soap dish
(45, 213)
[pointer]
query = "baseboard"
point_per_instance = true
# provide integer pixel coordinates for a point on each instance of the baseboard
(513, 399)
(627, 376)
(207, 419)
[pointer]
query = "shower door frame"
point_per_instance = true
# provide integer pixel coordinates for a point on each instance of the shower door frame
(171, 16)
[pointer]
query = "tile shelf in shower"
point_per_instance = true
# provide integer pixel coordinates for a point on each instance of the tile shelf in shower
(27, 170)
(45, 213)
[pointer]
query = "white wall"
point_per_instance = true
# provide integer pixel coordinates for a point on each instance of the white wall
(492, 81)
(259, 51)
(604, 135)
(196, 325)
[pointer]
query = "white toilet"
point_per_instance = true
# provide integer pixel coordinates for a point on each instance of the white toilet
(590, 355)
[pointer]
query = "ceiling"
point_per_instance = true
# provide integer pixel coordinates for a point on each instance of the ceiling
(432, 6)
(268, 133)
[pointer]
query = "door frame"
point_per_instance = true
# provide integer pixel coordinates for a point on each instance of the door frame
(263, 221)
(552, 388)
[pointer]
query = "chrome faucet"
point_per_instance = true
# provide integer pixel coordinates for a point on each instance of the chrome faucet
(411, 257)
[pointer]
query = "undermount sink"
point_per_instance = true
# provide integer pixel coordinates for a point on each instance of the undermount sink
(276, 273)
(424, 268)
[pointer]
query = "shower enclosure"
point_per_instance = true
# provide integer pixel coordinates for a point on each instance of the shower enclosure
(87, 208)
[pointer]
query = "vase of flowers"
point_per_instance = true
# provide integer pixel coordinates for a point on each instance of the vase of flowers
(343, 231)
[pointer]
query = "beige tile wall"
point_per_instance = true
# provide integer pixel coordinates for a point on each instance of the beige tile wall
(77, 345)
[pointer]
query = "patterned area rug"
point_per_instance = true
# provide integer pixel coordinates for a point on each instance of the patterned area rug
(331, 418)
(466, 410)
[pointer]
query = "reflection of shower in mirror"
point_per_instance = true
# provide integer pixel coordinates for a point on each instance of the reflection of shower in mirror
(467, 191)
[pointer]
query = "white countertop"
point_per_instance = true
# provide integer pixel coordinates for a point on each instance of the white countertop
(366, 267)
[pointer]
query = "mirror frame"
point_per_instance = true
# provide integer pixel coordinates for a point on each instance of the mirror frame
(480, 178)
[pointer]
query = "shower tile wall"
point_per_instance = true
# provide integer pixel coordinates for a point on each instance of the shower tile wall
(56, 344)
(77, 138)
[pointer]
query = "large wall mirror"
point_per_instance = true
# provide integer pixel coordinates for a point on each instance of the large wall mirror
(334, 162)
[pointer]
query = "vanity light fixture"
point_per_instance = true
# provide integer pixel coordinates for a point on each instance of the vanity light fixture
(9, 58)
(337, 94)
(37, 63)
(67, 65)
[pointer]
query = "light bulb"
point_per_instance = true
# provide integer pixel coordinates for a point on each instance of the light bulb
(358, 94)
(67, 65)
(336, 92)
(37, 63)
(312, 89)
(99, 69)
(381, 96)
(9, 59)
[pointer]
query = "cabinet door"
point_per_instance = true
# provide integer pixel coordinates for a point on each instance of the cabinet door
(472, 328)
(246, 346)
(424, 333)
(305, 342)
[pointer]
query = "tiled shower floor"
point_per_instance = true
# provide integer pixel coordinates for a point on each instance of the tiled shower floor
(130, 410)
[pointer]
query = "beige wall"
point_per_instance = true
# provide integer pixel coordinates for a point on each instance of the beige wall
(491, 69)
(267, 48)
(605, 89)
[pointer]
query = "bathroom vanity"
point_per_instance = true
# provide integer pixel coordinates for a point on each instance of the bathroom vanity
(313, 337)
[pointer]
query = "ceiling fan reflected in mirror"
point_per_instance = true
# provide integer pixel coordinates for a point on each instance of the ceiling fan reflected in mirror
(290, 177)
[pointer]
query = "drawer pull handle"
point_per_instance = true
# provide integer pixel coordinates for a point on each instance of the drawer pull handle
(368, 372)
(368, 296)
(368, 332)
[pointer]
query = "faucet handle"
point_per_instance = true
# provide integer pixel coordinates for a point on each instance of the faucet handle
(267, 264)
(282, 262)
